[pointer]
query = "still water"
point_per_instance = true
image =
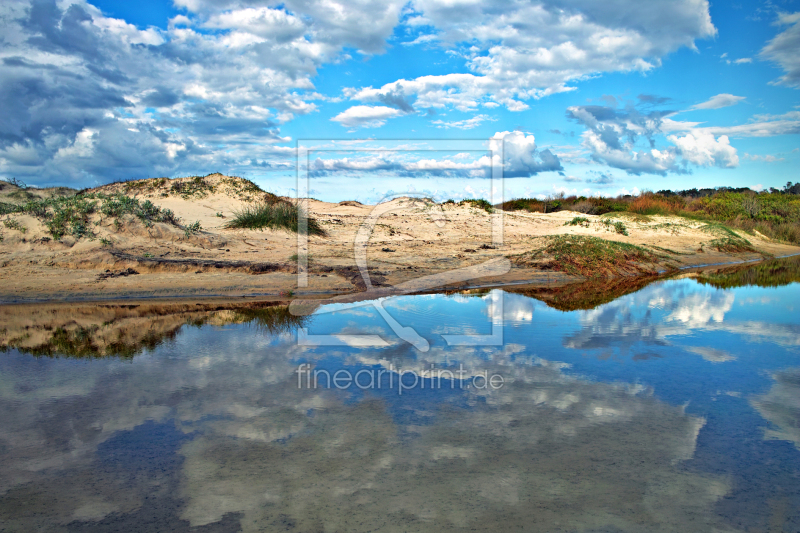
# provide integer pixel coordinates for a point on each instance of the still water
(669, 406)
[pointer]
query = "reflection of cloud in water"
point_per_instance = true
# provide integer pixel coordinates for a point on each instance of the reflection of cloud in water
(698, 309)
(663, 311)
(781, 406)
(517, 308)
(711, 354)
(546, 451)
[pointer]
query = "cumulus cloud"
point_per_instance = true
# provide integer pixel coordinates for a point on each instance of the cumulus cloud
(782, 49)
(516, 151)
(719, 101)
(536, 49)
(612, 136)
(704, 150)
(198, 95)
(521, 157)
(365, 116)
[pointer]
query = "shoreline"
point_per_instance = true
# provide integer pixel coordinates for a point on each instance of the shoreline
(552, 280)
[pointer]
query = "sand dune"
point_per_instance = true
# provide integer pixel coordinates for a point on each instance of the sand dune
(411, 238)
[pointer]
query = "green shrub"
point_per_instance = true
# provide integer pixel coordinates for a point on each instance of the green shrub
(479, 203)
(10, 223)
(192, 229)
(70, 215)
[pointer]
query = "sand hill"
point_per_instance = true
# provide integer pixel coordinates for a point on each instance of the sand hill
(168, 237)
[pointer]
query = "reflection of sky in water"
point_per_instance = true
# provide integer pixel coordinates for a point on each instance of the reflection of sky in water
(671, 409)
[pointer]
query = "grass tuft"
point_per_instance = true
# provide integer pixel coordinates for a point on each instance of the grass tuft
(578, 221)
(281, 215)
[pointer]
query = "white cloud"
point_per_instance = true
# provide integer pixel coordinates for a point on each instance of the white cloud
(535, 49)
(223, 77)
(783, 49)
(703, 150)
(466, 124)
(366, 116)
(719, 101)
(612, 136)
(759, 126)
(422, 39)
(769, 158)
(521, 157)
(743, 60)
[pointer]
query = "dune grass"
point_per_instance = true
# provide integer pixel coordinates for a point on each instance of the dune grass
(71, 215)
(589, 256)
(280, 215)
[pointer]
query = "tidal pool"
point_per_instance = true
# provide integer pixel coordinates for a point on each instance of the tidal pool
(669, 406)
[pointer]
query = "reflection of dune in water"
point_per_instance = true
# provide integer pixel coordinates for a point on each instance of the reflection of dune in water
(774, 273)
(124, 330)
(589, 294)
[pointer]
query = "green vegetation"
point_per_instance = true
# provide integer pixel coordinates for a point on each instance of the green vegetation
(280, 215)
(10, 223)
(479, 203)
(589, 256)
(727, 240)
(775, 214)
(581, 204)
(192, 229)
(578, 221)
(71, 215)
(196, 187)
(617, 226)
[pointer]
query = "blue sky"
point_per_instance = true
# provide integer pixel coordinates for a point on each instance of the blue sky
(583, 97)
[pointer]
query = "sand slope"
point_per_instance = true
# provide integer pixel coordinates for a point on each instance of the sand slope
(411, 238)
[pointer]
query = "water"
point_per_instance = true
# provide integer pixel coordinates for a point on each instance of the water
(673, 406)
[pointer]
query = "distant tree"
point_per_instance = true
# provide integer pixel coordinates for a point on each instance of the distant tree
(17, 182)
(792, 189)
